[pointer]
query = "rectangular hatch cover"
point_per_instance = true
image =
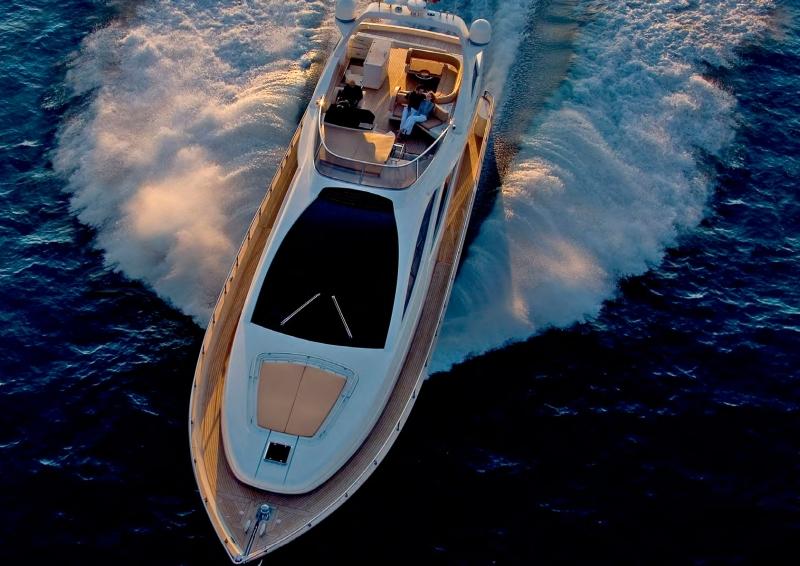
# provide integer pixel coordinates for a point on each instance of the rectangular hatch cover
(277, 452)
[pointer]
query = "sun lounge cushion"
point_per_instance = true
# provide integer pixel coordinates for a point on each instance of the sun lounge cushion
(316, 396)
(295, 398)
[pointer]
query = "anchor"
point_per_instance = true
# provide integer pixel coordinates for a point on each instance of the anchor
(263, 515)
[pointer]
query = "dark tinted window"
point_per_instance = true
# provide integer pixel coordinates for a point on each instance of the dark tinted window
(421, 237)
(443, 204)
(333, 278)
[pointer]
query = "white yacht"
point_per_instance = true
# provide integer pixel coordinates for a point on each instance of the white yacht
(320, 340)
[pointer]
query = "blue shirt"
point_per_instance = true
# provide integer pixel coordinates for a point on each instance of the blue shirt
(425, 107)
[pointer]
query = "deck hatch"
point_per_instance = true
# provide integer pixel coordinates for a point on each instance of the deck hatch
(277, 452)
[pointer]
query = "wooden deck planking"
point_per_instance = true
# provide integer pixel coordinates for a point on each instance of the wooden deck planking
(377, 100)
(231, 503)
(222, 488)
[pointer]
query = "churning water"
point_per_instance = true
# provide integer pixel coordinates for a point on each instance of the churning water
(627, 306)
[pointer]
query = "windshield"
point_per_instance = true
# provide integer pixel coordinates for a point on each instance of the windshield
(333, 278)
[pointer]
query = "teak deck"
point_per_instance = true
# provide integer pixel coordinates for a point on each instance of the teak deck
(233, 506)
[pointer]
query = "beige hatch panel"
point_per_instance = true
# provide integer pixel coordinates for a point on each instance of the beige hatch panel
(294, 398)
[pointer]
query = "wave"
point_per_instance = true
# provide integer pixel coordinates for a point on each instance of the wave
(191, 105)
(608, 175)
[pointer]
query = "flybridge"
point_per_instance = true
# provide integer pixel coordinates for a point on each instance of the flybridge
(398, 53)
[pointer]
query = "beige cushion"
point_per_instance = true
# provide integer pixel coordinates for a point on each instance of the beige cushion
(415, 53)
(294, 398)
(277, 389)
(371, 147)
(435, 68)
(316, 396)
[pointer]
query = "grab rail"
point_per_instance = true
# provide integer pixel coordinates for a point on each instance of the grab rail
(370, 173)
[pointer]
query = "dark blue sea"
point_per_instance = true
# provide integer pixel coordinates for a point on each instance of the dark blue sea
(618, 377)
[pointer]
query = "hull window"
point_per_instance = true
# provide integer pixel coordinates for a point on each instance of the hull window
(443, 203)
(420, 247)
(334, 277)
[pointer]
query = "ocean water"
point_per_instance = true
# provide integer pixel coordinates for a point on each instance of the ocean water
(617, 378)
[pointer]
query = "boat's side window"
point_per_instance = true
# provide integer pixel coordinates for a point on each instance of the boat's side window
(443, 203)
(421, 238)
(475, 72)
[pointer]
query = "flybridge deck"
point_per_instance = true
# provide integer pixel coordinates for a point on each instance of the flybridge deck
(249, 521)
(388, 63)
(388, 60)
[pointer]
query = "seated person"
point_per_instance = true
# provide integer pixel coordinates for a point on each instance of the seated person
(350, 95)
(417, 116)
(414, 98)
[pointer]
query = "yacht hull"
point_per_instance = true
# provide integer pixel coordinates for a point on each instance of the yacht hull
(239, 514)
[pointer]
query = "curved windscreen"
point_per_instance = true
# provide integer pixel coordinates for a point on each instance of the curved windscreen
(333, 278)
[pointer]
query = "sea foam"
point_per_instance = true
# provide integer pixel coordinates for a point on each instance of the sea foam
(191, 105)
(608, 176)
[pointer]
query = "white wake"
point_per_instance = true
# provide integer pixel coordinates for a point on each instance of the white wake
(191, 103)
(608, 176)
(191, 106)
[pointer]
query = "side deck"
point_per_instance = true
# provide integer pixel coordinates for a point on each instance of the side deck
(240, 516)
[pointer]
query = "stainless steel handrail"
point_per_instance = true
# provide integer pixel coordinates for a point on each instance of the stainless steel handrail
(415, 162)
